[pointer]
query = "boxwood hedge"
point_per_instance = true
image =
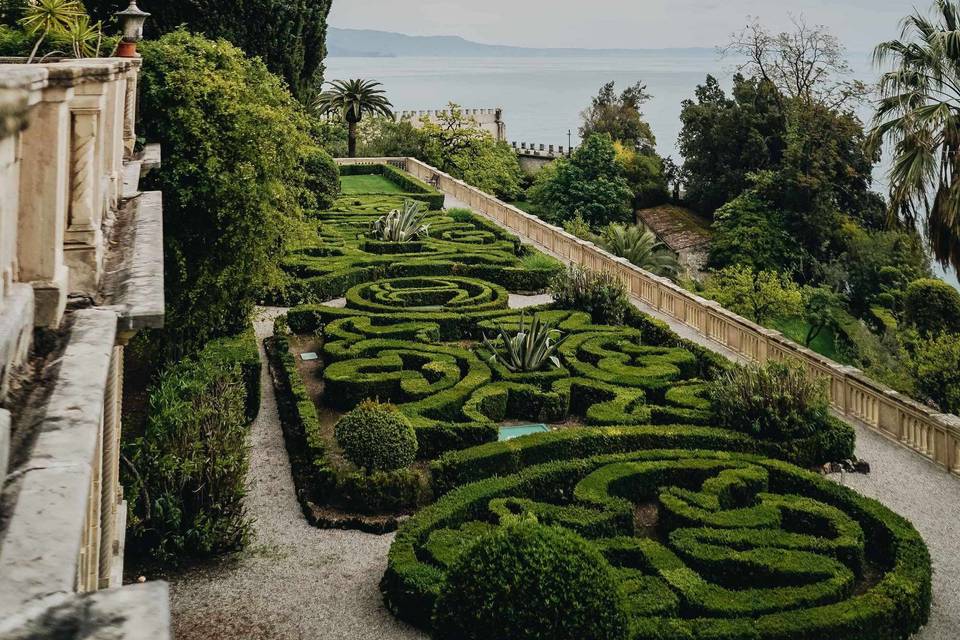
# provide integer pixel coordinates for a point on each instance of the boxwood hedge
(740, 546)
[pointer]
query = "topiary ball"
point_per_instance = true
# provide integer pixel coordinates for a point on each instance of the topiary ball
(526, 581)
(377, 437)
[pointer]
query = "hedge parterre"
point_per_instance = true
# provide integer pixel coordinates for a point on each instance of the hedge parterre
(706, 545)
(414, 341)
(335, 252)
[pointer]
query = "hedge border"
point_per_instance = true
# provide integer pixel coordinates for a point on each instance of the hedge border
(318, 481)
(892, 609)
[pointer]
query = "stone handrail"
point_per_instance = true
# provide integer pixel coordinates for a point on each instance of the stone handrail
(854, 396)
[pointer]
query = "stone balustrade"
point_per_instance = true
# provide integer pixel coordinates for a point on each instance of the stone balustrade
(73, 224)
(853, 396)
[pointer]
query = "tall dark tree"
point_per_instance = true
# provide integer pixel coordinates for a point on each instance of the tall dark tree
(288, 35)
(619, 116)
(724, 139)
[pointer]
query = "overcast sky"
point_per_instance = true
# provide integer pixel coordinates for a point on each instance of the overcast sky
(637, 24)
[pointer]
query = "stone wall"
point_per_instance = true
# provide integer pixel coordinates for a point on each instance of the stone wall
(490, 120)
(73, 224)
(535, 157)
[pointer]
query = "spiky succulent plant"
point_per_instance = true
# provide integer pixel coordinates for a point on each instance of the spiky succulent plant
(401, 225)
(530, 348)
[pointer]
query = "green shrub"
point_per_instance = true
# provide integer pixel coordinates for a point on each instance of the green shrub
(776, 401)
(234, 141)
(601, 294)
(185, 481)
(377, 437)
(325, 479)
(932, 306)
(323, 177)
(745, 547)
(935, 365)
(526, 581)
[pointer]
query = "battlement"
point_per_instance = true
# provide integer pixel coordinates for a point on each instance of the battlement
(529, 149)
(436, 113)
(490, 120)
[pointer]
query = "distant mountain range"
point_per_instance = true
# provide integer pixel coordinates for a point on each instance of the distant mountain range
(384, 44)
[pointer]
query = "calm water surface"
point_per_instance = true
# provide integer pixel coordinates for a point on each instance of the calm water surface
(542, 97)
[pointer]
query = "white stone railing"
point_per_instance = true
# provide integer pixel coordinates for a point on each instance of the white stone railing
(67, 136)
(856, 398)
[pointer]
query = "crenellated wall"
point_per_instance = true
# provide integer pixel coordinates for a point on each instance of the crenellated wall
(534, 157)
(490, 120)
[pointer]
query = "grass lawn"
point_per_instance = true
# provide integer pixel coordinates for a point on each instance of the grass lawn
(352, 185)
(796, 329)
(525, 205)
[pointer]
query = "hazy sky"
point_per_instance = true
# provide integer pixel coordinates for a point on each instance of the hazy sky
(619, 23)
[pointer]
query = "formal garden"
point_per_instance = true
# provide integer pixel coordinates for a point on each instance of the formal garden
(659, 491)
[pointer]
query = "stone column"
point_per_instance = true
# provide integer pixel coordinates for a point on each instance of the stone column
(44, 188)
(130, 112)
(83, 241)
(83, 244)
(110, 469)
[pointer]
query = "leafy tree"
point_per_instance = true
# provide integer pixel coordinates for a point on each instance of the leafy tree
(879, 263)
(919, 119)
(935, 367)
(590, 183)
(932, 306)
(233, 179)
(288, 35)
(724, 139)
(644, 172)
(824, 176)
(807, 64)
(641, 247)
(759, 295)
(381, 137)
(619, 116)
(750, 231)
(457, 145)
(819, 311)
(351, 100)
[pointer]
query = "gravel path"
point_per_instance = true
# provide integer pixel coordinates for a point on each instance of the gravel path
(294, 581)
(930, 499)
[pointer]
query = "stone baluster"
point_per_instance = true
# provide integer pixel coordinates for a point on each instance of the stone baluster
(130, 110)
(44, 189)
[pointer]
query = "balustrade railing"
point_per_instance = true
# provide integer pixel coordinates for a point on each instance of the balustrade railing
(853, 396)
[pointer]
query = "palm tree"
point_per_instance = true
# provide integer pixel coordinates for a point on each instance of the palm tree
(353, 99)
(919, 118)
(641, 247)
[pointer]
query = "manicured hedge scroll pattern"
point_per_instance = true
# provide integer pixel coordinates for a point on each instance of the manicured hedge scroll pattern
(335, 253)
(706, 544)
(409, 334)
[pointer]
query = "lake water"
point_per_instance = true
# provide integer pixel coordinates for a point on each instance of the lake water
(542, 97)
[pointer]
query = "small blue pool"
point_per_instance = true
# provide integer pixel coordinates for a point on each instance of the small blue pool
(509, 433)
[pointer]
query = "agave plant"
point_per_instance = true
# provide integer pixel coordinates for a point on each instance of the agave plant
(401, 225)
(529, 349)
(45, 17)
